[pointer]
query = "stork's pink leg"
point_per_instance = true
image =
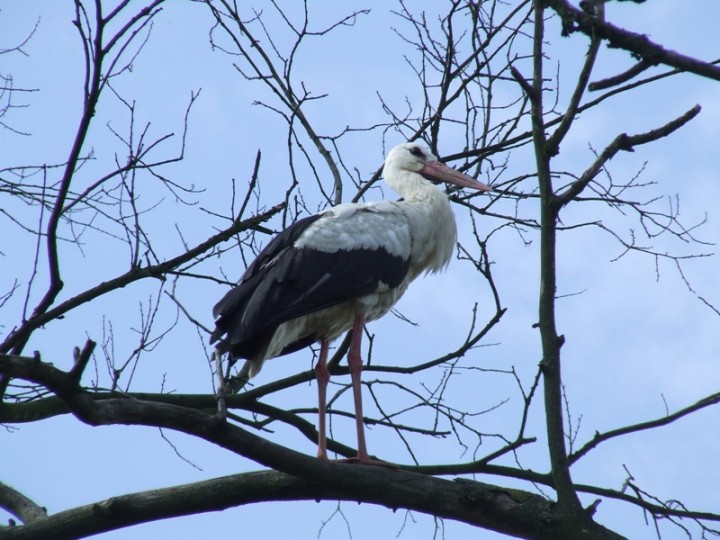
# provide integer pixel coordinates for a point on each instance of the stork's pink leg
(323, 376)
(355, 363)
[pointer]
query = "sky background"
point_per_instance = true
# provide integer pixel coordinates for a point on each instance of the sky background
(638, 341)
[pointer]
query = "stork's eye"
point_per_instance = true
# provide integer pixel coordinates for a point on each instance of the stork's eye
(415, 151)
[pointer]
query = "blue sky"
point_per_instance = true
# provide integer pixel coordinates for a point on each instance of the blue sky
(637, 340)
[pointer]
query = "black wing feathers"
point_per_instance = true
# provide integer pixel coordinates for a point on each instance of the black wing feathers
(284, 240)
(234, 300)
(285, 282)
(306, 280)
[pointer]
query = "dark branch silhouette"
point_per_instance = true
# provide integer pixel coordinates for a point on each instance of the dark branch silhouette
(488, 99)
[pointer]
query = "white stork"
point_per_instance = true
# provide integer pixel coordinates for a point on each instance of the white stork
(338, 269)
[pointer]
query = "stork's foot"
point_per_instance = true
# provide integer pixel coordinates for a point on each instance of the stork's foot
(369, 461)
(360, 461)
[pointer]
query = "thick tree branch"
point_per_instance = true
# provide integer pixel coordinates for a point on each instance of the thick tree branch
(568, 502)
(574, 20)
(509, 511)
(19, 505)
(463, 56)
(468, 501)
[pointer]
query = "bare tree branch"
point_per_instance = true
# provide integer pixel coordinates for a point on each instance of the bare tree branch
(19, 505)
(505, 510)
(639, 45)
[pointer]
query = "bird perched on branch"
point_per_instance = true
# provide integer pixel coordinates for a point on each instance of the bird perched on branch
(338, 269)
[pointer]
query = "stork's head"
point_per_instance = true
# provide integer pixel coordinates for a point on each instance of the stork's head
(411, 161)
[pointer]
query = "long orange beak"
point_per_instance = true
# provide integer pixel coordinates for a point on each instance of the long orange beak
(439, 171)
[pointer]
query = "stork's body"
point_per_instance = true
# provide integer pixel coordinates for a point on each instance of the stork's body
(334, 271)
